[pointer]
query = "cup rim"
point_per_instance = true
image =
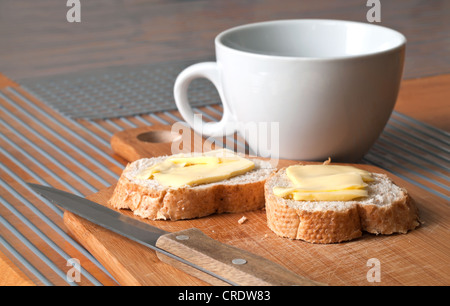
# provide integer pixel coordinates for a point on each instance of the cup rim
(219, 37)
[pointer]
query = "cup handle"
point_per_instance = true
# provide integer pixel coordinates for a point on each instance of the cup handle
(210, 71)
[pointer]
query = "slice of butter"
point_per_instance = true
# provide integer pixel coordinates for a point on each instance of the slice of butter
(324, 183)
(203, 173)
(195, 160)
(339, 195)
(166, 165)
(197, 169)
(300, 172)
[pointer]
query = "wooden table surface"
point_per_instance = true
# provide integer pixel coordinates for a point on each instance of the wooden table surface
(37, 41)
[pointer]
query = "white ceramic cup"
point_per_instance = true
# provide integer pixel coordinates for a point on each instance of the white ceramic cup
(329, 85)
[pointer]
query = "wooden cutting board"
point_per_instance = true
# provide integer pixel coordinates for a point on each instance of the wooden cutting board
(421, 257)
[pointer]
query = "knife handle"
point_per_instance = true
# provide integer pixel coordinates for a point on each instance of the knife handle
(233, 264)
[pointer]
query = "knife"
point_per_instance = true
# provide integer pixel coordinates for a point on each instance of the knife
(189, 250)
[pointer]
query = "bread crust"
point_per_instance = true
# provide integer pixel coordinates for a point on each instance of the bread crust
(187, 202)
(328, 225)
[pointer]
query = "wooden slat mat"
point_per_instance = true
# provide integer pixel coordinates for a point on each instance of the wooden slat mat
(38, 144)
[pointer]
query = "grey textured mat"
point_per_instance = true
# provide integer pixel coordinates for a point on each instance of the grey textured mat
(119, 91)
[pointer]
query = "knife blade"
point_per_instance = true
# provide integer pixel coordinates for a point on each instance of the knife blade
(188, 250)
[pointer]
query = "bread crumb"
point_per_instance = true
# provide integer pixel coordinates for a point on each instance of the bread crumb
(328, 161)
(242, 220)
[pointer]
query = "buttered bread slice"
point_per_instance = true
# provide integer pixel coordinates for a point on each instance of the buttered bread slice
(186, 186)
(333, 203)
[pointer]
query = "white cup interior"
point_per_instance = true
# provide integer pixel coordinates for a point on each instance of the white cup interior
(311, 38)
